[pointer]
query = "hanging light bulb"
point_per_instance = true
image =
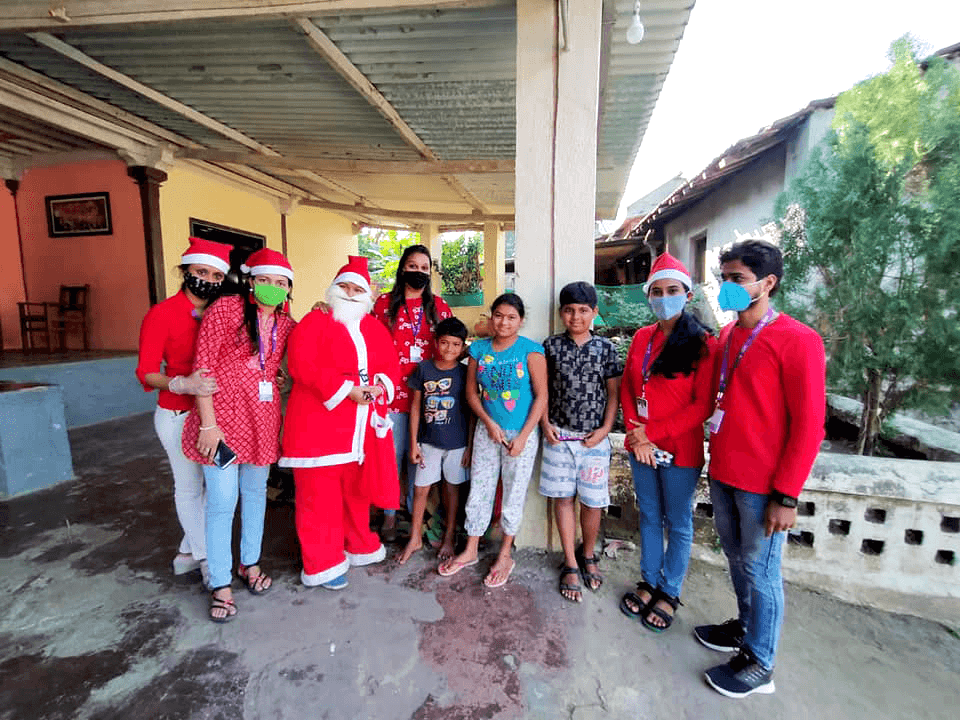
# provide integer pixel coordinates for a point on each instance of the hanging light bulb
(635, 31)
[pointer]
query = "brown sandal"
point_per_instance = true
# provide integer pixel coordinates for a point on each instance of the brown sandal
(257, 584)
(225, 604)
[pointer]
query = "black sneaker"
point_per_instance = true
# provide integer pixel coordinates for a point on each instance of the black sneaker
(740, 677)
(727, 637)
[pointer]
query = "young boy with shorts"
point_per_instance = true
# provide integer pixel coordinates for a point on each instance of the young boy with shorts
(439, 432)
(583, 372)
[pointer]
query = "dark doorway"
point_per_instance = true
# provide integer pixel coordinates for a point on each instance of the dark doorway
(244, 243)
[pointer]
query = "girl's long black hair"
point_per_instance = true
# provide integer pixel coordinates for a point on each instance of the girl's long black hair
(685, 347)
(250, 320)
(397, 297)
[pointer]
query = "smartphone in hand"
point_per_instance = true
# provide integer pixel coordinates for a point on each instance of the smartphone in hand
(224, 457)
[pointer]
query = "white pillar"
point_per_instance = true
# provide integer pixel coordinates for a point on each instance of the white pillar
(430, 237)
(556, 169)
(494, 257)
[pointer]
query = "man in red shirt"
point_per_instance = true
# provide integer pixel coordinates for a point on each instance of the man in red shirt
(765, 433)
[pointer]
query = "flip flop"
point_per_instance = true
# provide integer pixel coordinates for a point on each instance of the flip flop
(501, 583)
(454, 567)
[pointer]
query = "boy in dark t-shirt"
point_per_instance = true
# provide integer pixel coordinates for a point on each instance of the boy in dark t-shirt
(439, 432)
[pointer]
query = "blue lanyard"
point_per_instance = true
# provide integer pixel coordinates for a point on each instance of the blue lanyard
(724, 377)
(416, 328)
(273, 345)
(646, 369)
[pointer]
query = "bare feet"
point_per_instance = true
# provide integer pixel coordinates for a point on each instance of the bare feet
(414, 544)
(446, 549)
(388, 531)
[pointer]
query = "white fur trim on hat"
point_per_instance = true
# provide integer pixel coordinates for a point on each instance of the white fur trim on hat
(668, 274)
(355, 278)
(205, 259)
(268, 270)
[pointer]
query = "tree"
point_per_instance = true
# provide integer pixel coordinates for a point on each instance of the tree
(460, 263)
(870, 231)
(383, 249)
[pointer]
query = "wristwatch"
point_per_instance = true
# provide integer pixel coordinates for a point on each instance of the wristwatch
(785, 500)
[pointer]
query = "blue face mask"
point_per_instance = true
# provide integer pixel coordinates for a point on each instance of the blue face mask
(667, 306)
(735, 297)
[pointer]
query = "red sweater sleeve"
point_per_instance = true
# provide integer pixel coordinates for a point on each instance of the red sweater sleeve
(804, 382)
(628, 385)
(153, 337)
(701, 405)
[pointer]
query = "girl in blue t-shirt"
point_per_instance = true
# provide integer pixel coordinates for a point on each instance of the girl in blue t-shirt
(507, 390)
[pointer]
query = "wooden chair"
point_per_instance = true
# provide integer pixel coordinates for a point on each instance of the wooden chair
(34, 323)
(69, 315)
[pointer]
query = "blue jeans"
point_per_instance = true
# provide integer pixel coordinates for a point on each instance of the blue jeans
(754, 566)
(665, 501)
(223, 487)
(401, 446)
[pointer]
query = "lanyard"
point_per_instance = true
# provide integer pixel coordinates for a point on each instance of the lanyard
(724, 375)
(647, 366)
(416, 328)
(273, 346)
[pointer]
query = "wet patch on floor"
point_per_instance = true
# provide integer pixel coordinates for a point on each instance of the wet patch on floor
(481, 642)
(35, 684)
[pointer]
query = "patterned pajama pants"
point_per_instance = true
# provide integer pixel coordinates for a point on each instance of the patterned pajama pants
(490, 461)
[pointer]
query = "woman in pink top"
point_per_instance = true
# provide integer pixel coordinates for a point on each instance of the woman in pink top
(242, 341)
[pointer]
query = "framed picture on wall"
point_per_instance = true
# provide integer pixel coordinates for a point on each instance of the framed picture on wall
(80, 214)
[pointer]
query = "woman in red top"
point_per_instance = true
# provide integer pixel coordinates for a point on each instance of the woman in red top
(665, 396)
(168, 340)
(242, 341)
(410, 312)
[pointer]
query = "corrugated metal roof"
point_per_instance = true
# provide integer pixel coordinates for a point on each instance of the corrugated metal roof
(450, 74)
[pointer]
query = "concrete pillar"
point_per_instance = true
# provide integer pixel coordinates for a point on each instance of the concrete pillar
(430, 236)
(555, 193)
(494, 257)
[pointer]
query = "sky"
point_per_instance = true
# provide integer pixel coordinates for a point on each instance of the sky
(742, 64)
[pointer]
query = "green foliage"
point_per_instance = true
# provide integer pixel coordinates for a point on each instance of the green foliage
(383, 249)
(871, 237)
(624, 306)
(460, 263)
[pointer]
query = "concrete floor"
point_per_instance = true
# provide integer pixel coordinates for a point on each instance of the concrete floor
(95, 626)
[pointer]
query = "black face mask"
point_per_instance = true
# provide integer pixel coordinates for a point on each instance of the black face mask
(203, 289)
(416, 279)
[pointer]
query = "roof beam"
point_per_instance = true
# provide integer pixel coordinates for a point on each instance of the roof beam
(409, 214)
(178, 107)
(352, 167)
(358, 81)
(44, 15)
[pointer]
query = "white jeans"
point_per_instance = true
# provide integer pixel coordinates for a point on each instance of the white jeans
(188, 492)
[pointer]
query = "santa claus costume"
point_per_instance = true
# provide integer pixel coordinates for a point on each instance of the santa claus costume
(336, 435)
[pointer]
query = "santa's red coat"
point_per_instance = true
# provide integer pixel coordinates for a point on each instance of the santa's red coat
(326, 360)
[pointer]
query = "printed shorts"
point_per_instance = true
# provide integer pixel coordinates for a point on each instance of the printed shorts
(569, 468)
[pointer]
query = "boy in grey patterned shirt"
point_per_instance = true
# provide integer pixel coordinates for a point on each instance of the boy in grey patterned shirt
(583, 372)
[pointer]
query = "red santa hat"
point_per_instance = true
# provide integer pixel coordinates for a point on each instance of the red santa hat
(667, 267)
(354, 271)
(267, 262)
(207, 252)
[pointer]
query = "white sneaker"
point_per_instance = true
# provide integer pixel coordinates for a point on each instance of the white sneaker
(184, 563)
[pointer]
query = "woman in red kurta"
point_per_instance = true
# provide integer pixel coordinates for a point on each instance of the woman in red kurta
(242, 341)
(410, 311)
(665, 396)
(168, 340)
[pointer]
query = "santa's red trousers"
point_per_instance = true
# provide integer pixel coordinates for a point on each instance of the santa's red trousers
(331, 518)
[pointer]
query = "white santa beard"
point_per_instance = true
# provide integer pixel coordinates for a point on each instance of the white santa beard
(347, 310)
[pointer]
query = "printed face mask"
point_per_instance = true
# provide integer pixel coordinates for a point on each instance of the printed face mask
(735, 297)
(668, 306)
(203, 289)
(269, 294)
(416, 279)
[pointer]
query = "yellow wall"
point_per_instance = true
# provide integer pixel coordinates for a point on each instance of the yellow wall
(318, 243)
(190, 193)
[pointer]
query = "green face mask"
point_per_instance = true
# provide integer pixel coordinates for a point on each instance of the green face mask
(269, 294)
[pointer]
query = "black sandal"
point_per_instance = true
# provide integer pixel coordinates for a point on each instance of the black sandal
(673, 602)
(568, 587)
(256, 584)
(589, 577)
(225, 604)
(635, 599)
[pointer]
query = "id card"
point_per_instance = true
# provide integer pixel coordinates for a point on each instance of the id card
(715, 420)
(266, 391)
(642, 407)
(416, 354)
